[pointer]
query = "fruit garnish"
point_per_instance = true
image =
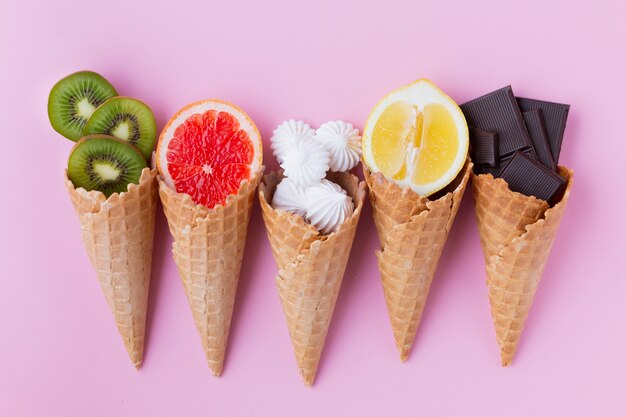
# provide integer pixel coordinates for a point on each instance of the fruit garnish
(207, 149)
(416, 136)
(104, 163)
(127, 119)
(74, 99)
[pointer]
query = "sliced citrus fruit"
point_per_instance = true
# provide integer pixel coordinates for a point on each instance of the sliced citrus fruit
(416, 136)
(207, 149)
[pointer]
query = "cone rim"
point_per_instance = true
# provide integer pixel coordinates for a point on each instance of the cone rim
(147, 174)
(185, 199)
(563, 170)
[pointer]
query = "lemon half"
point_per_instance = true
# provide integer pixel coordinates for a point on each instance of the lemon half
(416, 136)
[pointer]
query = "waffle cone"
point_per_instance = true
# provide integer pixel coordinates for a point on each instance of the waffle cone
(118, 234)
(516, 233)
(412, 231)
(208, 250)
(310, 268)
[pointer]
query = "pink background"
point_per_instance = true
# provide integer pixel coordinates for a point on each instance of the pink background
(60, 354)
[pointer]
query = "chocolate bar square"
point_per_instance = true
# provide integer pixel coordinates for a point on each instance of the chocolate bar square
(555, 118)
(498, 112)
(527, 176)
(484, 147)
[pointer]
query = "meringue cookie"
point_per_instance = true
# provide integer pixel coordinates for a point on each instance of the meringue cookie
(290, 197)
(343, 143)
(305, 162)
(328, 206)
(287, 133)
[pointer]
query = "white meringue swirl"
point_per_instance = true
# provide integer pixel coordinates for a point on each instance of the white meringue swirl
(290, 197)
(328, 206)
(287, 133)
(305, 162)
(343, 143)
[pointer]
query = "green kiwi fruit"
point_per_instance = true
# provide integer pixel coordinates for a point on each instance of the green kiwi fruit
(127, 119)
(74, 99)
(104, 163)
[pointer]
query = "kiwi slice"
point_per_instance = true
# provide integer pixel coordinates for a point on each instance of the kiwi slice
(74, 99)
(104, 163)
(125, 118)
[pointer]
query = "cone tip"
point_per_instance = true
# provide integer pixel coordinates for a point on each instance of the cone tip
(307, 377)
(136, 356)
(308, 380)
(404, 351)
(216, 368)
(506, 358)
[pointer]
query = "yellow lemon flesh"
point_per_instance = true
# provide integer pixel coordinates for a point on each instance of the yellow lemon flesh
(393, 132)
(416, 136)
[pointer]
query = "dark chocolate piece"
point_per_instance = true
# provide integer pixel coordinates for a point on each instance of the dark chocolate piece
(484, 147)
(527, 176)
(503, 161)
(539, 137)
(555, 118)
(498, 112)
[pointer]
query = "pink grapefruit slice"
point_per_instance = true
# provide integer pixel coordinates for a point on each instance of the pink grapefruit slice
(207, 150)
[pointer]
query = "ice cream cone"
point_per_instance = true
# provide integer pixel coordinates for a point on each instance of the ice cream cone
(118, 234)
(516, 233)
(208, 250)
(412, 231)
(310, 268)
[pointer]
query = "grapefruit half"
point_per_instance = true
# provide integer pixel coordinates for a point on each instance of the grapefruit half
(207, 149)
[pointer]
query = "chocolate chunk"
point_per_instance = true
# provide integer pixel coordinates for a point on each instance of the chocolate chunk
(555, 118)
(539, 137)
(527, 176)
(484, 147)
(503, 161)
(498, 112)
